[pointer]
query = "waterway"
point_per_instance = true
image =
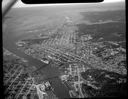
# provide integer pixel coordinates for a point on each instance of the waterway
(9, 40)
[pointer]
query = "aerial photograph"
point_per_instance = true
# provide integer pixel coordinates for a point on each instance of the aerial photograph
(62, 51)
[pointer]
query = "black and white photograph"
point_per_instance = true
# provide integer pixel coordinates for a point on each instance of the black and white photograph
(64, 50)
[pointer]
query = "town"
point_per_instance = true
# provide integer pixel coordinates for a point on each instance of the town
(74, 55)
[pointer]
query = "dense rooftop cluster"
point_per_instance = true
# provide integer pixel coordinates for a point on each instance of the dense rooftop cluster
(86, 46)
(18, 82)
(83, 54)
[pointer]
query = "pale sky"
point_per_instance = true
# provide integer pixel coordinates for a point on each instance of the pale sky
(20, 4)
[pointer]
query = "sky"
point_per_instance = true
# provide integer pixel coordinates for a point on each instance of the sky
(20, 4)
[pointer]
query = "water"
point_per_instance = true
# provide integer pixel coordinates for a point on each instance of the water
(60, 90)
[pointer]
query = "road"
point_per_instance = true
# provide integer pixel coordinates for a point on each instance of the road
(60, 90)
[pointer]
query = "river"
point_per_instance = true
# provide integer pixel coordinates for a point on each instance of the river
(9, 40)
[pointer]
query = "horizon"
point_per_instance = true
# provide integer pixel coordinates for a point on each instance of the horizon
(20, 4)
